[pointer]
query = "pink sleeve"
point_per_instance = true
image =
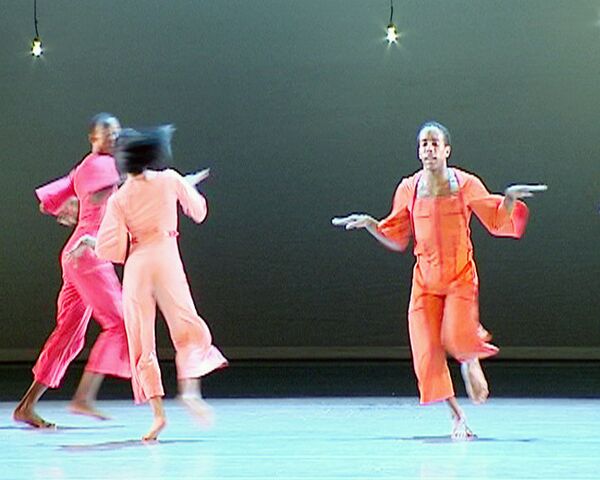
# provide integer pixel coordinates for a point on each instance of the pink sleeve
(53, 195)
(396, 226)
(96, 174)
(112, 238)
(490, 210)
(192, 203)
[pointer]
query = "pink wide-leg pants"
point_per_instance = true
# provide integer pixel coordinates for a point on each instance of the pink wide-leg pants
(90, 289)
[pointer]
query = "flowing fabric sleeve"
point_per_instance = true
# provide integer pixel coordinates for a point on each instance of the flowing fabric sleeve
(112, 238)
(53, 195)
(492, 213)
(396, 227)
(193, 204)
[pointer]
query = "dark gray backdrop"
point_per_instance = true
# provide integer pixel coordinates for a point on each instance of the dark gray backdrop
(302, 112)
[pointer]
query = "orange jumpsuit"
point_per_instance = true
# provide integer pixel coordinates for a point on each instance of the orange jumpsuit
(144, 212)
(443, 314)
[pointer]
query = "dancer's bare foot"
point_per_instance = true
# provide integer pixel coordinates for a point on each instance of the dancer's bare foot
(79, 407)
(158, 425)
(475, 382)
(199, 408)
(28, 416)
(460, 430)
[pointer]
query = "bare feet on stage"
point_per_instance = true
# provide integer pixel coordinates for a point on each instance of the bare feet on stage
(477, 389)
(475, 382)
(86, 394)
(199, 408)
(460, 430)
(80, 407)
(160, 419)
(190, 396)
(158, 425)
(25, 410)
(27, 415)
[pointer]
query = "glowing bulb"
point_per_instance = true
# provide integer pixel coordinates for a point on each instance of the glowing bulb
(36, 47)
(392, 33)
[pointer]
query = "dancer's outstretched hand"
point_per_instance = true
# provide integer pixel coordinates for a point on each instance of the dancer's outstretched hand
(355, 220)
(68, 212)
(195, 178)
(521, 191)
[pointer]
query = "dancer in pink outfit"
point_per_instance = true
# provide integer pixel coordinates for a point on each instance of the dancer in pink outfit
(90, 285)
(144, 213)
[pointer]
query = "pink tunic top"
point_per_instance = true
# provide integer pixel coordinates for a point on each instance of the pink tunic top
(95, 172)
(145, 209)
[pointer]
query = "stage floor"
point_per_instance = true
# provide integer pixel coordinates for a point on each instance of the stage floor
(311, 438)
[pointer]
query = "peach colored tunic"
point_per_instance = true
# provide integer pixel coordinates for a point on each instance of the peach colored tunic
(90, 287)
(143, 215)
(443, 314)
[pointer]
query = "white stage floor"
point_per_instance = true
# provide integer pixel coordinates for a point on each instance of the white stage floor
(310, 438)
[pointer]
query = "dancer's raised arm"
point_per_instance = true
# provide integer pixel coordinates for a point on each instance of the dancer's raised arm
(363, 220)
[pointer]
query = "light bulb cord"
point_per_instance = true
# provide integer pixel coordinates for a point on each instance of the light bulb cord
(35, 20)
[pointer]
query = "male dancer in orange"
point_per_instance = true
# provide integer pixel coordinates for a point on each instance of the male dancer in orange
(144, 213)
(434, 207)
(90, 285)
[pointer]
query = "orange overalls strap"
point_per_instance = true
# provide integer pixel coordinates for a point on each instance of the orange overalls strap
(454, 188)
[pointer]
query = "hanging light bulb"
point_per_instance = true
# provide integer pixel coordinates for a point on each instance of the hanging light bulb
(392, 31)
(36, 47)
(36, 44)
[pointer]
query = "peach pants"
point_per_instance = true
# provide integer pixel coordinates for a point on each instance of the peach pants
(154, 275)
(90, 288)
